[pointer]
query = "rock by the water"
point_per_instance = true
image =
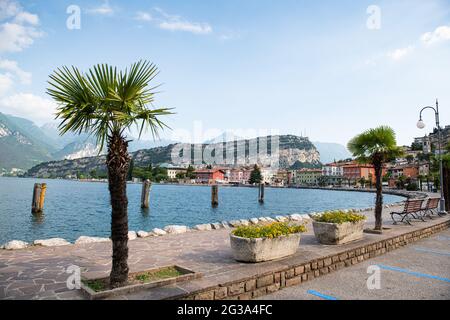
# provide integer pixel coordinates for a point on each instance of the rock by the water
(132, 235)
(175, 229)
(159, 232)
(225, 225)
(53, 242)
(15, 245)
(85, 240)
(254, 220)
(245, 222)
(296, 217)
(143, 234)
(281, 219)
(235, 223)
(203, 227)
(216, 226)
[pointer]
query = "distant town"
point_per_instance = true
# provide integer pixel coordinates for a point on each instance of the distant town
(417, 170)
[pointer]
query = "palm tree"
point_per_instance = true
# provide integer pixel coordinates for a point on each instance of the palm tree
(106, 103)
(376, 146)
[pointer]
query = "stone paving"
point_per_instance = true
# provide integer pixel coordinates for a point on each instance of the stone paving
(40, 272)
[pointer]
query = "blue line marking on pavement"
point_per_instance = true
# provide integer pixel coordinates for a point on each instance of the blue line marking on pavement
(413, 273)
(443, 238)
(321, 295)
(442, 253)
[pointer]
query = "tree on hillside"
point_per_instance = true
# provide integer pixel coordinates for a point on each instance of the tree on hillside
(255, 175)
(106, 103)
(376, 146)
(190, 173)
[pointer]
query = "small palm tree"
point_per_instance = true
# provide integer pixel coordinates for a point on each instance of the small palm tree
(376, 146)
(107, 103)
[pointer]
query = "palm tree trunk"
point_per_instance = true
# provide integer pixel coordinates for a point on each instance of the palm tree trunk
(379, 197)
(118, 161)
(446, 186)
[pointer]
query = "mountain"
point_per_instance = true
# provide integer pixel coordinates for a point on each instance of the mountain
(294, 152)
(22, 144)
(330, 152)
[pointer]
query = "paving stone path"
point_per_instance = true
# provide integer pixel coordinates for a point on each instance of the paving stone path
(40, 272)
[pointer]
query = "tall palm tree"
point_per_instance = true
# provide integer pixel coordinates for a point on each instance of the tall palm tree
(106, 103)
(376, 146)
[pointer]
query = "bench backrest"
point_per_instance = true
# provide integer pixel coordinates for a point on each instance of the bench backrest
(413, 205)
(432, 203)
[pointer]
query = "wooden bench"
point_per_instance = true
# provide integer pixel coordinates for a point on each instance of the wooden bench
(412, 208)
(431, 207)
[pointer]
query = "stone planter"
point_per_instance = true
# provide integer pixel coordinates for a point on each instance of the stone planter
(185, 275)
(264, 249)
(333, 233)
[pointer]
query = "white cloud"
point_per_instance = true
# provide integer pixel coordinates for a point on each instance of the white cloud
(172, 22)
(143, 16)
(26, 17)
(197, 28)
(401, 53)
(12, 68)
(441, 33)
(29, 106)
(8, 9)
(105, 9)
(6, 83)
(20, 31)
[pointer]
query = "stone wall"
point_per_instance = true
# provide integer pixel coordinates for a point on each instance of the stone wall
(267, 283)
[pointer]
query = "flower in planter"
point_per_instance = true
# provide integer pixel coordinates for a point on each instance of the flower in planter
(273, 230)
(339, 217)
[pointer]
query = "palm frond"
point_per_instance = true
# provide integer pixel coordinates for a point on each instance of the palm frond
(104, 100)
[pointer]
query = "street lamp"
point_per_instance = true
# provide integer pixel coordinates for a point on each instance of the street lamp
(421, 125)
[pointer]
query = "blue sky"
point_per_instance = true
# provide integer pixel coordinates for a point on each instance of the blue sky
(311, 67)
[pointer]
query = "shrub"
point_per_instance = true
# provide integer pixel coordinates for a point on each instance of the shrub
(339, 217)
(273, 230)
(412, 187)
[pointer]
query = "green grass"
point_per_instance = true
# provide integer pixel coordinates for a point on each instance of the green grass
(339, 217)
(151, 276)
(96, 285)
(144, 277)
(273, 230)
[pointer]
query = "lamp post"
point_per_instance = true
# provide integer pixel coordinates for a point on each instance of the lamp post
(421, 125)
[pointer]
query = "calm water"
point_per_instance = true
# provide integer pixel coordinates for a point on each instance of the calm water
(76, 208)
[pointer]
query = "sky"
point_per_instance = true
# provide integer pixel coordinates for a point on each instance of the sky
(325, 69)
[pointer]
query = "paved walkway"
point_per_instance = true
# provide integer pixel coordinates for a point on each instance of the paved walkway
(420, 271)
(40, 273)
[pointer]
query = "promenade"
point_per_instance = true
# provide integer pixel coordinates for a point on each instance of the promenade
(40, 272)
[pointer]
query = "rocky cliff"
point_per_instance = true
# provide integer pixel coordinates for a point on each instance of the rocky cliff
(293, 152)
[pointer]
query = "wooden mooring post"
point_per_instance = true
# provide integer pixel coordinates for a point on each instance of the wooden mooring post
(146, 185)
(37, 204)
(261, 193)
(215, 195)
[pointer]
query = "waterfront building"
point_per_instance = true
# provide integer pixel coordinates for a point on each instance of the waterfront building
(210, 176)
(172, 172)
(332, 174)
(353, 172)
(308, 177)
(404, 170)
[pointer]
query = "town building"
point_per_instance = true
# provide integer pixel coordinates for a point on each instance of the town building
(404, 170)
(172, 172)
(308, 177)
(353, 172)
(332, 174)
(208, 176)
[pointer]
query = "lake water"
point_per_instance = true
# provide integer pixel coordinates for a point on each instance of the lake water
(75, 208)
